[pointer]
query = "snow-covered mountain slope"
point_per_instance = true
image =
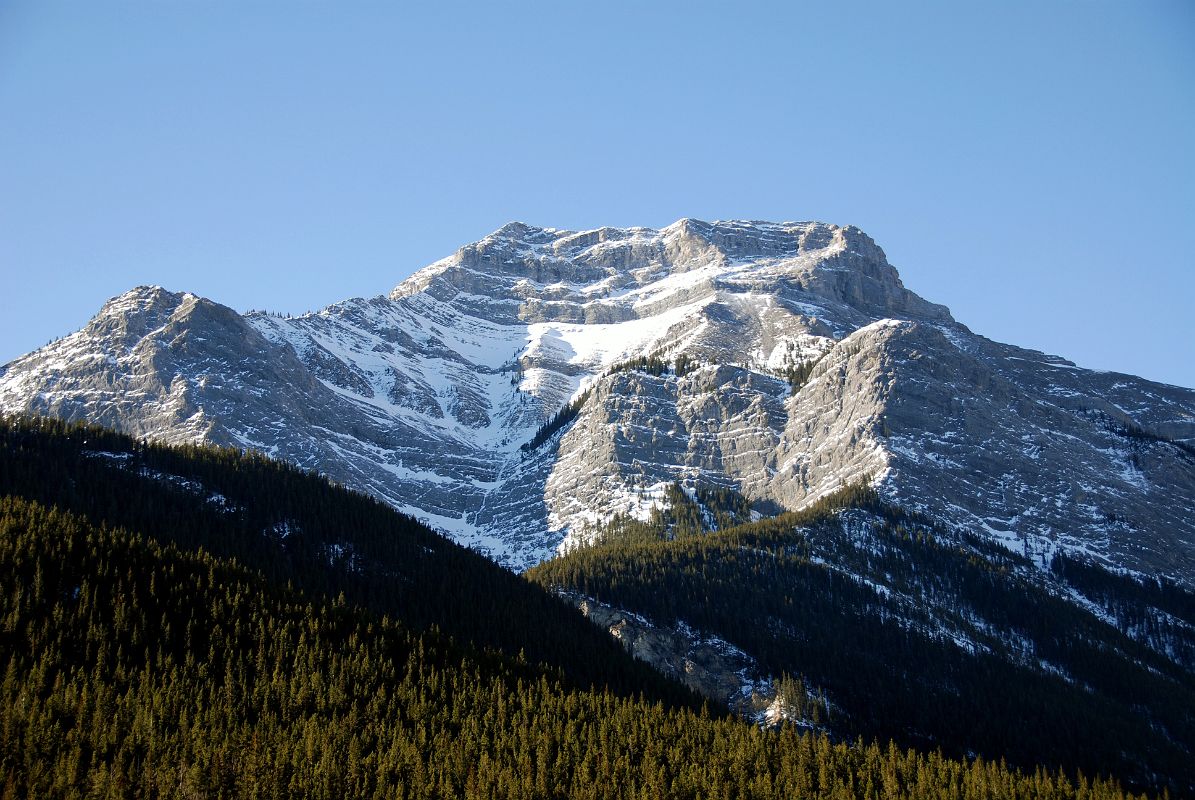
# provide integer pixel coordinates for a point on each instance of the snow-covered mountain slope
(787, 359)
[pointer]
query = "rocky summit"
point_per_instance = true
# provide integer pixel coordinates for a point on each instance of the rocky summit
(536, 384)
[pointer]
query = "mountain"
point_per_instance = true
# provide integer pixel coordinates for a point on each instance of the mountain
(743, 449)
(198, 622)
(804, 364)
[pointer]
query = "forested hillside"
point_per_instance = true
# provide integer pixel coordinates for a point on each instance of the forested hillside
(294, 527)
(187, 623)
(135, 669)
(930, 638)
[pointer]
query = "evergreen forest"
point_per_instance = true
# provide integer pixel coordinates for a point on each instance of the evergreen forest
(917, 635)
(202, 622)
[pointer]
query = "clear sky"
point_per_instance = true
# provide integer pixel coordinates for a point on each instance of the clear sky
(1031, 165)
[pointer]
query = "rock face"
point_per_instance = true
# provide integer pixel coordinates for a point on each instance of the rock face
(424, 397)
(707, 665)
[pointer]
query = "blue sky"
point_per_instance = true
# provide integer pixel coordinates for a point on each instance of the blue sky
(1028, 164)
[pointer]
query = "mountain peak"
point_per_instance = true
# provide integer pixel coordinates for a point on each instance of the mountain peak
(527, 272)
(522, 232)
(141, 296)
(142, 308)
(732, 240)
